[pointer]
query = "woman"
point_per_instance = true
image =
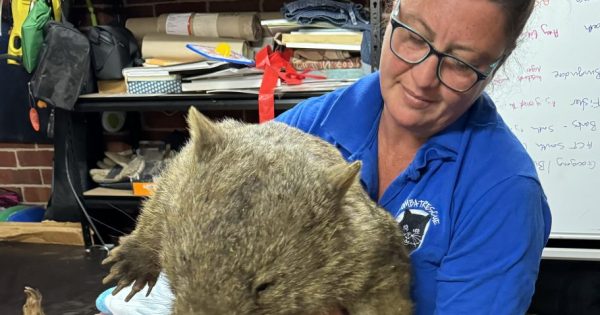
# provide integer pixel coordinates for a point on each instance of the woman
(439, 158)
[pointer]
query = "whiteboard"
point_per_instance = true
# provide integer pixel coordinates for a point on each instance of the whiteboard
(549, 95)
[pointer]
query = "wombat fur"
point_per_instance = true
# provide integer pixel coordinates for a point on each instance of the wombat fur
(264, 219)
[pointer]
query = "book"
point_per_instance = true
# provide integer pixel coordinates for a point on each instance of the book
(190, 68)
(336, 36)
(324, 46)
(333, 39)
(151, 81)
(274, 26)
(223, 84)
(226, 73)
(303, 64)
(222, 52)
(314, 85)
(340, 74)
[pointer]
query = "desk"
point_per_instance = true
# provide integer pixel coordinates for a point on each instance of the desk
(68, 277)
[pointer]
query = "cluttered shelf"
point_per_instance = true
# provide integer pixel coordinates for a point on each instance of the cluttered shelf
(294, 53)
(169, 70)
(148, 102)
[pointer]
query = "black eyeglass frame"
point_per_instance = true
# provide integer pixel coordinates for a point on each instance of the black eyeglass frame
(432, 51)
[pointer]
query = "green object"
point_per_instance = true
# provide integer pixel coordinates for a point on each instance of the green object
(90, 8)
(32, 33)
(4, 214)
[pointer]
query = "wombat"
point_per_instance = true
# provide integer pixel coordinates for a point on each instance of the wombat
(264, 219)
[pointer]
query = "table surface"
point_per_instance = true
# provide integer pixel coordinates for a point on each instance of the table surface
(68, 277)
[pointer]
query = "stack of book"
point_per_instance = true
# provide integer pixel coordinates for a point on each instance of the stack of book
(321, 47)
(199, 76)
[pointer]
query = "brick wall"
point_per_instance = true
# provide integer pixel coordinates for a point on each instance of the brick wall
(143, 8)
(27, 169)
(146, 8)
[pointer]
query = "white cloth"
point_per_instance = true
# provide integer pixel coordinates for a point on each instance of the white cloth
(159, 302)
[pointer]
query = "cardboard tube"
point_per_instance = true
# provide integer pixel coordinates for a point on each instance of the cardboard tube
(140, 27)
(245, 26)
(210, 25)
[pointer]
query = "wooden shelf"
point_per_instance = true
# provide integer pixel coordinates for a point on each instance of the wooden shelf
(108, 192)
(137, 102)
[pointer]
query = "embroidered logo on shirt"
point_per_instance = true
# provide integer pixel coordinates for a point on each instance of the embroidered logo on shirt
(414, 224)
(414, 220)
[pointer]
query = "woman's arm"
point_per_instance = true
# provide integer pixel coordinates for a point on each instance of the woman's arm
(494, 256)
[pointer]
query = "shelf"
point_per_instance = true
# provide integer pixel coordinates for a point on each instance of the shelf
(583, 254)
(107, 198)
(108, 192)
(136, 102)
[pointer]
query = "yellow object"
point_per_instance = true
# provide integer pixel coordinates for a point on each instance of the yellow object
(41, 104)
(223, 49)
(56, 9)
(143, 188)
(20, 9)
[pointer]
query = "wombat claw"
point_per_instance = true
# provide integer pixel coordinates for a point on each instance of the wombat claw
(126, 278)
(33, 303)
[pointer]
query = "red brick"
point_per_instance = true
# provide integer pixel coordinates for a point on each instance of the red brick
(18, 190)
(8, 159)
(45, 146)
(47, 176)
(181, 7)
(35, 158)
(152, 120)
(16, 177)
(117, 146)
(234, 6)
(36, 194)
(139, 11)
(4, 145)
(115, 138)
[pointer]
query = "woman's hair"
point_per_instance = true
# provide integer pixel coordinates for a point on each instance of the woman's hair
(517, 13)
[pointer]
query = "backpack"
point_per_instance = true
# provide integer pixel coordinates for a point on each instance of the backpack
(113, 49)
(63, 68)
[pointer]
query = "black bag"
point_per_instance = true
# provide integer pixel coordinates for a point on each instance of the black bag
(113, 48)
(64, 66)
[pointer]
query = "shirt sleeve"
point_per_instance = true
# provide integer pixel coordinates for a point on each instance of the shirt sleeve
(493, 259)
(309, 114)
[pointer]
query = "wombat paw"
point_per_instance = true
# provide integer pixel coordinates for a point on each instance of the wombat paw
(33, 303)
(128, 271)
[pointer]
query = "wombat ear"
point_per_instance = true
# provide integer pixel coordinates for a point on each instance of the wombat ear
(342, 176)
(203, 132)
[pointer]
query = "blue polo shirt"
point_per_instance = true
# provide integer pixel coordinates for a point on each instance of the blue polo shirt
(470, 204)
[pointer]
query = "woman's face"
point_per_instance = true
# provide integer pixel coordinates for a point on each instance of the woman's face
(415, 99)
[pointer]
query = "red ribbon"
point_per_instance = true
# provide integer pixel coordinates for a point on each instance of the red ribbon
(276, 66)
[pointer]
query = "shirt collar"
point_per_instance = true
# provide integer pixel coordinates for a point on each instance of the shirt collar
(352, 115)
